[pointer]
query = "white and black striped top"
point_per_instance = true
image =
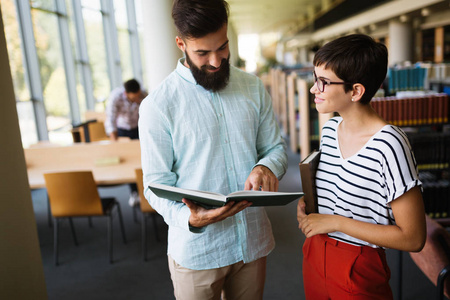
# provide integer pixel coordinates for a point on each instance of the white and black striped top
(362, 186)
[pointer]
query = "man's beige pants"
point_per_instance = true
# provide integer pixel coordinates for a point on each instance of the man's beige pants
(235, 282)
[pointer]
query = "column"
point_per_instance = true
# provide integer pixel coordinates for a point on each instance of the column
(233, 44)
(401, 43)
(303, 55)
(160, 50)
(21, 271)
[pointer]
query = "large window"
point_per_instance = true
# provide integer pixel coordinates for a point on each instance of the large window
(61, 60)
(123, 35)
(19, 76)
(51, 69)
(95, 39)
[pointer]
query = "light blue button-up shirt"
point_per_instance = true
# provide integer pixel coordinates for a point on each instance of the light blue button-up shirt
(196, 139)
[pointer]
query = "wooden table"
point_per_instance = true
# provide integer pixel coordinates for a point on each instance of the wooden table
(124, 157)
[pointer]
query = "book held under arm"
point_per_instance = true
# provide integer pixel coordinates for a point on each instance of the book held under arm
(308, 169)
(211, 200)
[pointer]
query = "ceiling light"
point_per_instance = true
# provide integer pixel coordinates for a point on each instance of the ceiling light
(425, 12)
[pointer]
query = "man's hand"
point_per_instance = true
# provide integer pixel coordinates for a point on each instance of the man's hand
(262, 178)
(201, 217)
(113, 136)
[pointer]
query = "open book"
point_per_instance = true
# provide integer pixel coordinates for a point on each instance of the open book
(209, 200)
(308, 169)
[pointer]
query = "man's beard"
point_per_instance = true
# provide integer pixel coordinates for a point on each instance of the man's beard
(211, 81)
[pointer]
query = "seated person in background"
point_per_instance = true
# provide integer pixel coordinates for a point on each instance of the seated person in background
(122, 110)
(368, 187)
(122, 116)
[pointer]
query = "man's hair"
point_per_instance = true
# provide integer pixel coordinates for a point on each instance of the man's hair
(197, 18)
(355, 58)
(132, 86)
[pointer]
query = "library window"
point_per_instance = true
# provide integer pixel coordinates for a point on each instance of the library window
(19, 76)
(51, 69)
(95, 40)
(65, 57)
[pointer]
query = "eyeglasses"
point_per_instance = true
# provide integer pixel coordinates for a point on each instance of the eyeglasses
(322, 82)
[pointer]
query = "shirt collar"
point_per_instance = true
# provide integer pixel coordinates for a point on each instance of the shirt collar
(185, 72)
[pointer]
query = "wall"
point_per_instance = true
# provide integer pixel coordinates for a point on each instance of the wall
(21, 270)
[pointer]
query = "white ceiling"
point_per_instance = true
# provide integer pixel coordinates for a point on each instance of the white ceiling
(283, 20)
(275, 16)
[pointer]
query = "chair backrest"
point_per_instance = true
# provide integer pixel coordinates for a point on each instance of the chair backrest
(73, 194)
(434, 257)
(145, 206)
(97, 131)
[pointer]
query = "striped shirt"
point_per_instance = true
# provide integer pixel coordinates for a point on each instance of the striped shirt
(197, 139)
(362, 186)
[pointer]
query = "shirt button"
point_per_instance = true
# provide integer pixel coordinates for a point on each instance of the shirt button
(226, 141)
(220, 115)
(231, 169)
(240, 222)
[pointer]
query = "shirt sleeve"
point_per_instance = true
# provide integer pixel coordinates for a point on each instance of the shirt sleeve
(270, 145)
(111, 113)
(157, 160)
(400, 170)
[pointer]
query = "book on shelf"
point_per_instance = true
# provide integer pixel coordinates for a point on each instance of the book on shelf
(426, 109)
(308, 170)
(406, 79)
(212, 200)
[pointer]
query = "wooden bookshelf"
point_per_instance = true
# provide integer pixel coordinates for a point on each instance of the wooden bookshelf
(435, 44)
(305, 123)
(278, 92)
(292, 100)
(283, 106)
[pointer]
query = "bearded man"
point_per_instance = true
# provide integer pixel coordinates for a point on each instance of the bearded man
(210, 126)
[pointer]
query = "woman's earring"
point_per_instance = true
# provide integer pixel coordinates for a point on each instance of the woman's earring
(353, 100)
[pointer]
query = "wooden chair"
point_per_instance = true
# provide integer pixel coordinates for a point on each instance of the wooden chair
(146, 211)
(75, 194)
(96, 132)
(434, 259)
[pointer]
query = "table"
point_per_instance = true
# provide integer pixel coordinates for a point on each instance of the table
(124, 158)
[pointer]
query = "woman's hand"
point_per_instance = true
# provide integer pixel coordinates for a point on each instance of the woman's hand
(313, 224)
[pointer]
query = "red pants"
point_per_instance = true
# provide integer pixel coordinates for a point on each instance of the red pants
(337, 270)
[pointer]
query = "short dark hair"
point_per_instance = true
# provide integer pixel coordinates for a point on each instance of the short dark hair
(355, 58)
(132, 86)
(197, 18)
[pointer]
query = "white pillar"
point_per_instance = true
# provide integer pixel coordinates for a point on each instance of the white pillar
(303, 55)
(233, 40)
(160, 50)
(400, 42)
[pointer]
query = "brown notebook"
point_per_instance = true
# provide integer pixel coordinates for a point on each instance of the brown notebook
(308, 169)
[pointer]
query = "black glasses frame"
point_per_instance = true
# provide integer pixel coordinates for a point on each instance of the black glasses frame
(324, 82)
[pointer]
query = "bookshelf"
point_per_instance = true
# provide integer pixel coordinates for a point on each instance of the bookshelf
(424, 116)
(304, 120)
(418, 101)
(413, 109)
(292, 98)
(446, 39)
(431, 148)
(278, 92)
